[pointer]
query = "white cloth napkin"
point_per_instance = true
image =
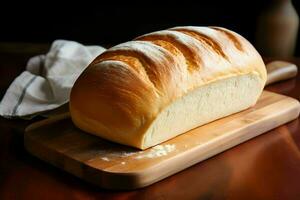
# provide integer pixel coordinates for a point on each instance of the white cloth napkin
(48, 79)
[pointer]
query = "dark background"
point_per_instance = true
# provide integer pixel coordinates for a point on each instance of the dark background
(111, 23)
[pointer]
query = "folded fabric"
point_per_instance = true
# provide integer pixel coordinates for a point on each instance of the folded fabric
(48, 79)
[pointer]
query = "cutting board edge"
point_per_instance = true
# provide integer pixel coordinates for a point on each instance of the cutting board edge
(293, 112)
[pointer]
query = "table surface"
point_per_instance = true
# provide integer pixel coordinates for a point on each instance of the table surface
(266, 167)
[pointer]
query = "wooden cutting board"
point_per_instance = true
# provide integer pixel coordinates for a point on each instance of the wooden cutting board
(109, 165)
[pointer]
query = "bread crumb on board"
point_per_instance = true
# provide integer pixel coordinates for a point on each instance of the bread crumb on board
(154, 152)
(157, 151)
(105, 158)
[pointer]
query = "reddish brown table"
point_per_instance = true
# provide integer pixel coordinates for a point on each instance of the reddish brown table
(267, 167)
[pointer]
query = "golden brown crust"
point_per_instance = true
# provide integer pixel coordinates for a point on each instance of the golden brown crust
(188, 50)
(124, 89)
(204, 39)
(230, 36)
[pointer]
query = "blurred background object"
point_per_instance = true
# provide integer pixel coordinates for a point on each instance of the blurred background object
(277, 29)
(112, 23)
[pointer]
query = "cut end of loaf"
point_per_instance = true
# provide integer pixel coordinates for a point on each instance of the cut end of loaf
(202, 106)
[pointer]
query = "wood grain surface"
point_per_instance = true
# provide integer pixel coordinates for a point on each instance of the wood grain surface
(116, 166)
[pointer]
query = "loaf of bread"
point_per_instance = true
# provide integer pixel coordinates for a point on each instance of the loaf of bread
(149, 90)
